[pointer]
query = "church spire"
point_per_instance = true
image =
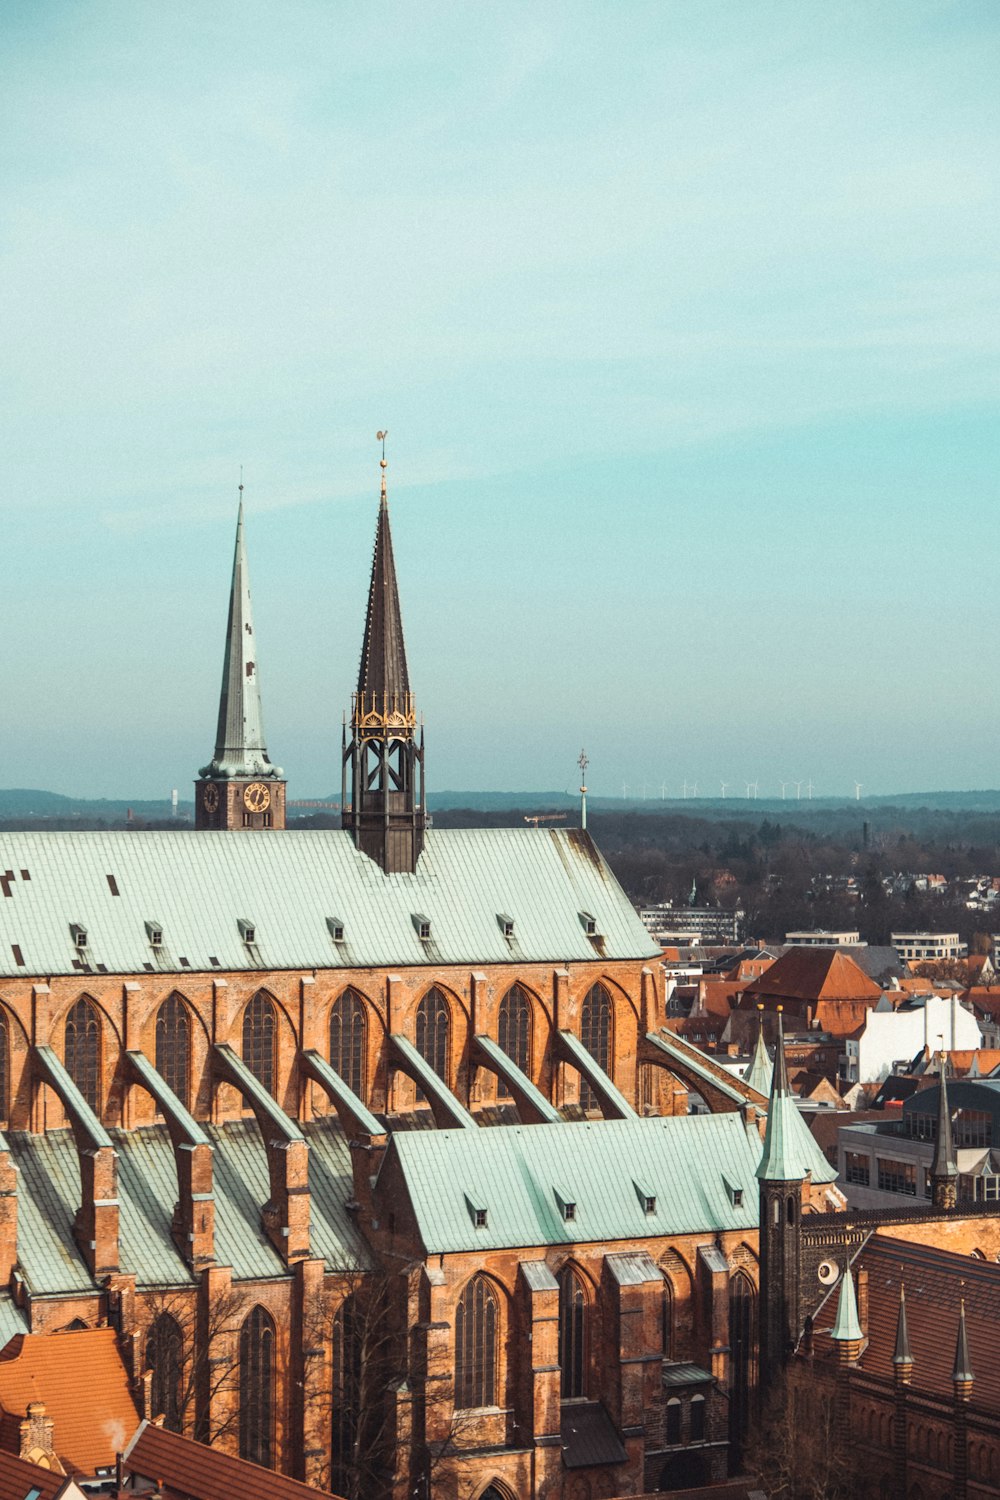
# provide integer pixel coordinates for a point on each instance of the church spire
(944, 1168)
(240, 787)
(385, 809)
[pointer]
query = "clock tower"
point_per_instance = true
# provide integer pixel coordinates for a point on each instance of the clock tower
(240, 788)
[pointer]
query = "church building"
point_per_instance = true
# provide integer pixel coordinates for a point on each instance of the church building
(369, 1145)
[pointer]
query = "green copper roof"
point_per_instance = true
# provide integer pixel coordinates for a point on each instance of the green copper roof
(239, 741)
(199, 887)
(847, 1326)
(761, 1070)
(790, 1153)
(524, 1175)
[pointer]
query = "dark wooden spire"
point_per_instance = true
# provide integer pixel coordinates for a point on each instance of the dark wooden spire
(944, 1168)
(386, 807)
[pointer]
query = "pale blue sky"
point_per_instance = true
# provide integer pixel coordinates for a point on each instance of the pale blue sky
(683, 319)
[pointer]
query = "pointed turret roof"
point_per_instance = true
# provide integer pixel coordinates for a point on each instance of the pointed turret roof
(239, 740)
(944, 1163)
(761, 1070)
(790, 1152)
(847, 1328)
(383, 656)
(902, 1354)
(961, 1374)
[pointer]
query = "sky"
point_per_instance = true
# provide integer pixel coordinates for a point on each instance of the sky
(684, 322)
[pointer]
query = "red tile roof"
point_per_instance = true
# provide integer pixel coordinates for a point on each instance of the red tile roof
(81, 1380)
(18, 1478)
(936, 1281)
(192, 1471)
(812, 974)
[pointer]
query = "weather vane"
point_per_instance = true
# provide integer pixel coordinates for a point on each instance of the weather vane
(583, 763)
(381, 436)
(241, 481)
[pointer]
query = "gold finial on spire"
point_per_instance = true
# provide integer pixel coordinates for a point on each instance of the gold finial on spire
(382, 464)
(241, 484)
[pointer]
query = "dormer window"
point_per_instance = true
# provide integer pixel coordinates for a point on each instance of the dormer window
(481, 1217)
(646, 1197)
(78, 934)
(155, 934)
(423, 926)
(477, 1211)
(506, 925)
(248, 931)
(335, 929)
(567, 1206)
(589, 923)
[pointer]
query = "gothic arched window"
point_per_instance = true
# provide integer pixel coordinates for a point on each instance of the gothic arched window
(743, 1356)
(260, 1035)
(257, 1388)
(668, 1319)
(83, 1051)
(572, 1334)
(595, 1034)
(173, 1046)
(4, 1068)
(165, 1357)
(348, 1036)
(433, 1026)
(476, 1322)
(514, 1030)
(347, 1354)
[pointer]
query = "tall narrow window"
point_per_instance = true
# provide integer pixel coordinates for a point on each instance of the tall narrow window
(4, 1068)
(346, 1396)
(173, 1046)
(743, 1357)
(433, 1024)
(476, 1346)
(348, 1035)
(668, 1320)
(165, 1357)
(572, 1334)
(260, 1026)
(83, 1051)
(595, 1034)
(257, 1388)
(514, 1030)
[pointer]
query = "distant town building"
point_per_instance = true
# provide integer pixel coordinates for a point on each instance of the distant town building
(915, 946)
(892, 1037)
(818, 937)
(676, 924)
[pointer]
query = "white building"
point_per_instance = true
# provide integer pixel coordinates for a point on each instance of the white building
(818, 938)
(921, 945)
(891, 1037)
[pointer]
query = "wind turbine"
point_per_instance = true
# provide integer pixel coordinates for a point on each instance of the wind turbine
(798, 791)
(809, 789)
(663, 791)
(694, 789)
(749, 787)
(857, 791)
(684, 792)
(783, 785)
(756, 789)
(723, 785)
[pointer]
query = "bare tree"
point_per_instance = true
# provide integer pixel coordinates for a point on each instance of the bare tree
(190, 1355)
(794, 1450)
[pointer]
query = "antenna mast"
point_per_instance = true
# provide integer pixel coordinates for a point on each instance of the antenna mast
(583, 763)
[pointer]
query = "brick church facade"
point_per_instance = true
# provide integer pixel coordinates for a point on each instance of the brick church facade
(369, 1144)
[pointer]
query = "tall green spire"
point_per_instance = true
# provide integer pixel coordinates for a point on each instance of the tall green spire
(790, 1152)
(760, 1073)
(847, 1327)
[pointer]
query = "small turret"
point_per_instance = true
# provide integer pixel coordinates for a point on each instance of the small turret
(846, 1331)
(761, 1070)
(961, 1376)
(902, 1358)
(944, 1168)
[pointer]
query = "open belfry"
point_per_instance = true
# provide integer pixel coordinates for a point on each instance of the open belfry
(368, 1149)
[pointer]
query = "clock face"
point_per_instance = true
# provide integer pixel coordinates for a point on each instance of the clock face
(257, 797)
(210, 797)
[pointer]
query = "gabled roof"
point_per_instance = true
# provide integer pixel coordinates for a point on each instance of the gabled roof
(19, 1479)
(200, 886)
(812, 974)
(59, 1369)
(690, 1165)
(240, 749)
(185, 1468)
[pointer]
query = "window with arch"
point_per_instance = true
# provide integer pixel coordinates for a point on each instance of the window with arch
(495, 1492)
(673, 1430)
(4, 1067)
(165, 1358)
(433, 1027)
(347, 1355)
(257, 1388)
(572, 1334)
(743, 1357)
(697, 1419)
(514, 1030)
(83, 1051)
(348, 1040)
(667, 1314)
(595, 1034)
(173, 1047)
(260, 1038)
(476, 1325)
